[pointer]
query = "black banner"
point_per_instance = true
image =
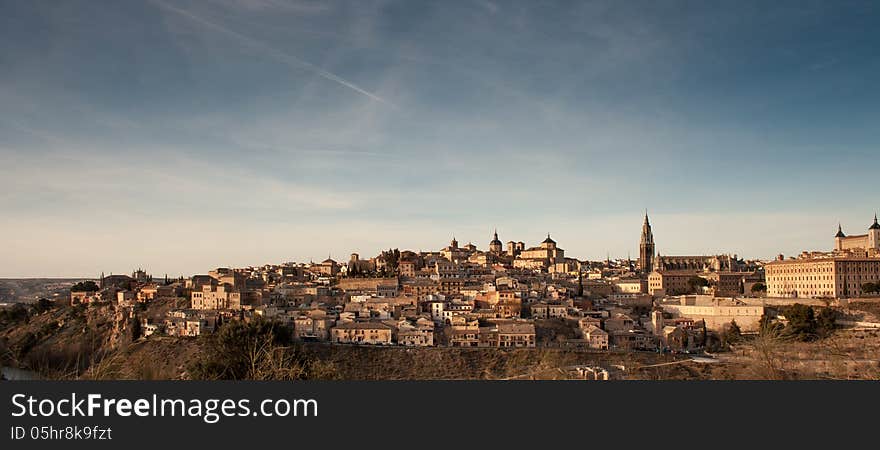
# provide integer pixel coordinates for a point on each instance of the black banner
(455, 413)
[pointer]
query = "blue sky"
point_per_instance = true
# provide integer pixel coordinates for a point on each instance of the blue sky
(181, 136)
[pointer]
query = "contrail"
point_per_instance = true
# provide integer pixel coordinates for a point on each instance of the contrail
(284, 57)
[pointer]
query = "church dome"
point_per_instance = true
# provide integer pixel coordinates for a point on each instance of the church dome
(548, 240)
(875, 225)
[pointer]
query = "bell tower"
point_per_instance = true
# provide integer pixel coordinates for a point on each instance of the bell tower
(646, 247)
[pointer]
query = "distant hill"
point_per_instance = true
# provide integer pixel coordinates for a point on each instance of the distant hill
(14, 290)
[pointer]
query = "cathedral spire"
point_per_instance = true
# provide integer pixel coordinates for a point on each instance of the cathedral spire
(647, 233)
(646, 247)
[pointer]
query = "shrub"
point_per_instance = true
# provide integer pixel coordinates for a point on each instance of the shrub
(258, 350)
(84, 286)
(825, 322)
(731, 333)
(14, 315)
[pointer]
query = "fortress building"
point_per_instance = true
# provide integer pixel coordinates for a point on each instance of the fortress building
(841, 273)
(823, 276)
(869, 241)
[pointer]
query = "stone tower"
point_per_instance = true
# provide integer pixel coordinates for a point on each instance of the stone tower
(874, 235)
(838, 238)
(657, 321)
(646, 247)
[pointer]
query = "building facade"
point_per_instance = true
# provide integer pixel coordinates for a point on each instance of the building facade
(701, 263)
(814, 277)
(216, 297)
(374, 333)
(669, 282)
(541, 257)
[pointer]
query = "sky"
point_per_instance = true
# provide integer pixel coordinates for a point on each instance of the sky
(179, 136)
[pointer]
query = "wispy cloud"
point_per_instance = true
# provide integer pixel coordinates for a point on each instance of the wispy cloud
(824, 64)
(268, 126)
(41, 134)
(490, 6)
(170, 179)
(293, 6)
(270, 51)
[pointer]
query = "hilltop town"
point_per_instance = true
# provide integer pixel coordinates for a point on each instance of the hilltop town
(510, 296)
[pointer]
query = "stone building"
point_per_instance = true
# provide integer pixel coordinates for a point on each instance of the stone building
(854, 262)
(407, 268)
(630, 285)
(356, 265)
(830, 276)
(507, 334)
(515, 248)
(596, 337)
(541, 257)
(312, 325)
(216, 297)
(375, 333)
(670, 282)
(649, 261)
(701, 263)
(544, 310)
(869, 242)
(453, 252)
(715, 312)
(328, 267)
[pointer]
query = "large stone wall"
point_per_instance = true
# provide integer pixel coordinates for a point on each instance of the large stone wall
(366, 284)
(747, 317)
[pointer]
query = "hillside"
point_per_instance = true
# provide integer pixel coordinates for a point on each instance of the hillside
(64, 342)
